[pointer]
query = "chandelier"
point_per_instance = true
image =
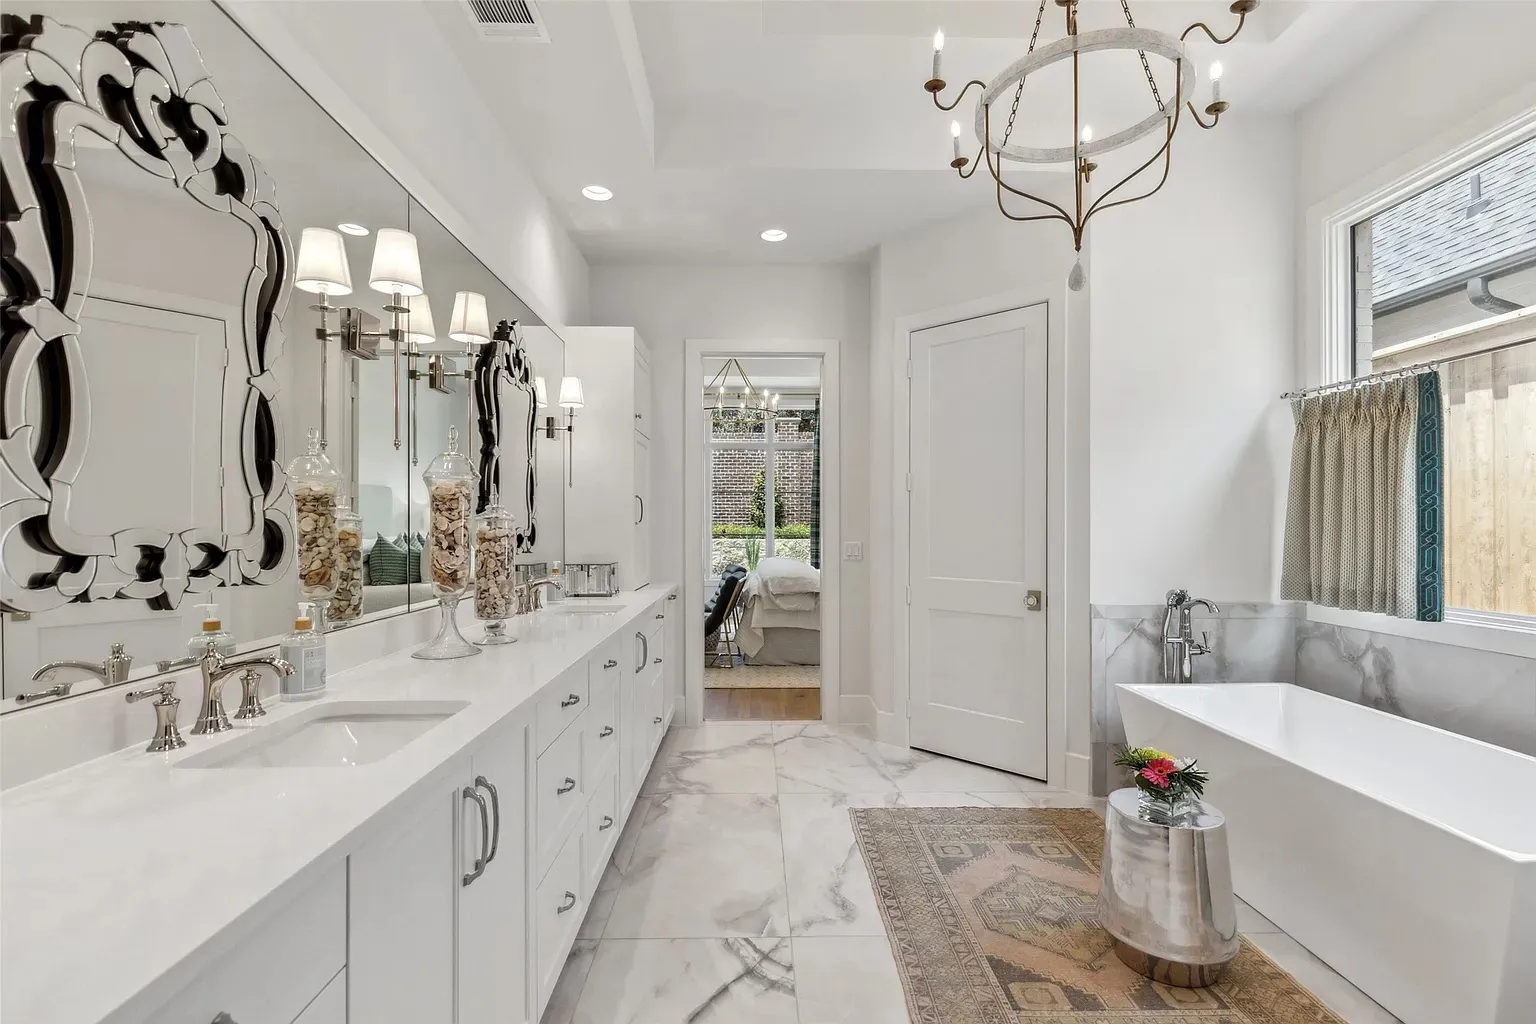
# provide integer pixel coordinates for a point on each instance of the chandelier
(1163, 121)
(744, 402)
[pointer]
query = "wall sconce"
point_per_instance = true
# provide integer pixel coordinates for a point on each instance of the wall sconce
(396, 271)
(572, 397)
(323, 271)
(470, 324)
(440, 371)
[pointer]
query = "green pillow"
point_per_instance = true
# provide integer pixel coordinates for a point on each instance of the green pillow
(412, 544)
(387, 563)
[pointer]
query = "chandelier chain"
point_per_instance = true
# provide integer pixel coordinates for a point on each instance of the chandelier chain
(1018, 93)
(1125, 5)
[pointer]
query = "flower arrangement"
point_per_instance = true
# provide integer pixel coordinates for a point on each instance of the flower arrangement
(1161, 778)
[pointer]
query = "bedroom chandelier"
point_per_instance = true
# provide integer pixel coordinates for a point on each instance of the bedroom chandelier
(746, 401)
(1162, 121)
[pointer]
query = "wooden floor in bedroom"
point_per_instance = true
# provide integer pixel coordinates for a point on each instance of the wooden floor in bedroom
(778, 704)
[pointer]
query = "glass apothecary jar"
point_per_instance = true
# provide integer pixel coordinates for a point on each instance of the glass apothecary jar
(494, 574)
(316, 487)
(347, 603)
(450, 480)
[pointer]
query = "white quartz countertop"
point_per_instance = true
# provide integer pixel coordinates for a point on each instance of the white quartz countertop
(122, 877)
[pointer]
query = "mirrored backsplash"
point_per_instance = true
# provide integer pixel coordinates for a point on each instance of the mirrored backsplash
(162, 370)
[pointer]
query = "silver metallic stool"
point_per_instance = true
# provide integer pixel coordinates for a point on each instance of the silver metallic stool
(1165, 892)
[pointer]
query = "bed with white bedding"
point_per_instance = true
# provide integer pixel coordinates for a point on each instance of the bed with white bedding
(781, 615)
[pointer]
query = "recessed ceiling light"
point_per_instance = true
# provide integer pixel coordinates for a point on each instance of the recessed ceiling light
(597, 193)
(774, 235)
(349, 228)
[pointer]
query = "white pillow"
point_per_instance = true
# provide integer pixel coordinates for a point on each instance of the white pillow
(787, 576)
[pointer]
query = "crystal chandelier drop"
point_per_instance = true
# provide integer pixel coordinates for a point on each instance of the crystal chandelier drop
(743, 401)
(1007, 88)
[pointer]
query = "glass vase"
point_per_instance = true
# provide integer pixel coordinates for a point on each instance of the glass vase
(1171, 810)
(450, 480)
(493, 574)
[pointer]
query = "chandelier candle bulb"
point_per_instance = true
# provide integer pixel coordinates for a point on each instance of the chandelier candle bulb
(938, 53)
(1216, 82)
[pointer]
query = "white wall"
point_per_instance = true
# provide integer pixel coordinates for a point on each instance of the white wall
(396, 85)
(669, 305)
(1192, 296)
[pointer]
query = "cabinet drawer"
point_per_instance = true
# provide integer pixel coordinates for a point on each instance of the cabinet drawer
(561, 795)
(602, 828)
(279, 969)
(602, 729)
(562, 703)
(559, 906)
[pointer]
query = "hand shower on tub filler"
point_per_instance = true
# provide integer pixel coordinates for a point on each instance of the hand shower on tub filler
(1179, 647)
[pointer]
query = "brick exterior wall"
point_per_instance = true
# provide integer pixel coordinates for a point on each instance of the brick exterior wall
(734, 474)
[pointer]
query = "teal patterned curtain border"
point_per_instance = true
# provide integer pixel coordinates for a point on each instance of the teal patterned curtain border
(1429, 461)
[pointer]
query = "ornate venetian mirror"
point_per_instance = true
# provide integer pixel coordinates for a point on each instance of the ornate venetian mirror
(506, 409)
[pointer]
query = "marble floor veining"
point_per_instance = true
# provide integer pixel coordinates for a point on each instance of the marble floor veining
(738, 895)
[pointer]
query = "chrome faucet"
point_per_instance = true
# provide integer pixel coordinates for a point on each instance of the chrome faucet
(166, 704)
(112, 671)
(1179, 647)
(530, 596)
(216, 668)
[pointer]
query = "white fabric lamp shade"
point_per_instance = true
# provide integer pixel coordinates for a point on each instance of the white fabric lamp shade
(571, 396)
(323, 266)
(540, 392)
(470, 323)
(419, 327)
(396, 263)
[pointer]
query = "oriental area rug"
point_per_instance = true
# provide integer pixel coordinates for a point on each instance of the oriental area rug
(992, 915)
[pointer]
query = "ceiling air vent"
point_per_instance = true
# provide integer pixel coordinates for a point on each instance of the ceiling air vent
(507, 19)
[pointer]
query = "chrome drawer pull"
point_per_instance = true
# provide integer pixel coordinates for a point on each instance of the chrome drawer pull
(607, 823)
(481, 780)
(570, 701)
(661, 615)
(610, 663)
(656, 662)
(570, 783)
(656, 720)
(607, 731)
(485, 834)
(570, 901)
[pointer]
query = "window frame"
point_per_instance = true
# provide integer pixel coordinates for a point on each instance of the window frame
(1330, 355)
(769, 445)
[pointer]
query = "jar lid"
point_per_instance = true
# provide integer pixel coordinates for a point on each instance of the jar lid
(451, 464)
(314, 466)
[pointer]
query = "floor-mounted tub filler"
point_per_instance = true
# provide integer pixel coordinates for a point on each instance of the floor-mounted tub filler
(1402, 855)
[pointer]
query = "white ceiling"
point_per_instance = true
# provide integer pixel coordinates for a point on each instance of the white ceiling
(714, 119)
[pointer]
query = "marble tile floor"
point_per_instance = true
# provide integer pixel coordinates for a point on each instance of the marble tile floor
(737, 893)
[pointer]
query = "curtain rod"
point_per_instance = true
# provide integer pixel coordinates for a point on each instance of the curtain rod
(1374, 378)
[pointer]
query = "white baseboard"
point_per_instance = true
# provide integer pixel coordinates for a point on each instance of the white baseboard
(1079, 773)
(856, 709)
(890, 728)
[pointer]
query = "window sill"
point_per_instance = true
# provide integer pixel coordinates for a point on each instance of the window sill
(1499, 634)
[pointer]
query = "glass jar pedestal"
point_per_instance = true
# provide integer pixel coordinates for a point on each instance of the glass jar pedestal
(449, 642)
(495, 634)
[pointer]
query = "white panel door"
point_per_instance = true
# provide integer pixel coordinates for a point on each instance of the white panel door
(977, 544)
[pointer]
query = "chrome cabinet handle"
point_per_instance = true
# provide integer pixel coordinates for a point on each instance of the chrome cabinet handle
(611, 663)
(607, 731)
(645, 656)
(656, 720)
(661, 615)
(569, 785)
(570, 701)
(481, 780)
(671, 597)
(656, 662)
(485, 834)
(642, 510)
(570, 901)
(607, 823)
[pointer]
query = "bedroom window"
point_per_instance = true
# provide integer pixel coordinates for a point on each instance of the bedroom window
(1448, 275)
(764, 500)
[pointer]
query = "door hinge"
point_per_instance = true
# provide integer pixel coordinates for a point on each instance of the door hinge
(909, 369)
(909, 595)
(909, 482)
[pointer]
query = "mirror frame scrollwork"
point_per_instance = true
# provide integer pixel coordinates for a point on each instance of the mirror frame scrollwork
(505, 358)
(143, 89)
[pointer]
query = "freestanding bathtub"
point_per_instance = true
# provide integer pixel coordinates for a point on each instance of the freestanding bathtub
(1401, 854)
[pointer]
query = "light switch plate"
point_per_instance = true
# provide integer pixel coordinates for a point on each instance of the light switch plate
(853, 551)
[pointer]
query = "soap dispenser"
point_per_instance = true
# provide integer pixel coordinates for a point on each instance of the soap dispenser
(213, 629)
(304, 649)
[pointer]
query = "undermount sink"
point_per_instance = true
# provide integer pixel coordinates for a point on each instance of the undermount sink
(343, 734)
(573, 608)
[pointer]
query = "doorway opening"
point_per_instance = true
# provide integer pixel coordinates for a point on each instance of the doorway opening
(763, 540)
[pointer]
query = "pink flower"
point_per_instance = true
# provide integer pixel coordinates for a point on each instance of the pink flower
(1162, 765)
(1157, 778)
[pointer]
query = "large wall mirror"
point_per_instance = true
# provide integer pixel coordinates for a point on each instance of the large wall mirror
(161, 369)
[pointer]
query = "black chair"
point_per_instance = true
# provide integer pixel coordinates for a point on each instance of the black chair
(721, 615)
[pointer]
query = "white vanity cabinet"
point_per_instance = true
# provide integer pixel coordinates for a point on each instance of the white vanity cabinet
(609, 507)
(438, 901)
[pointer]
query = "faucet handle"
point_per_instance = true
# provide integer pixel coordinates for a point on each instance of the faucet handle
(250, 695)
(165, 689)
(167, 736)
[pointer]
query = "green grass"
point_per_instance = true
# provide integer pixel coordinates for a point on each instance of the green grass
(742, 531)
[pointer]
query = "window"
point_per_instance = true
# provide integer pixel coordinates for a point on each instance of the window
(764, 498)
(1449, 275)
